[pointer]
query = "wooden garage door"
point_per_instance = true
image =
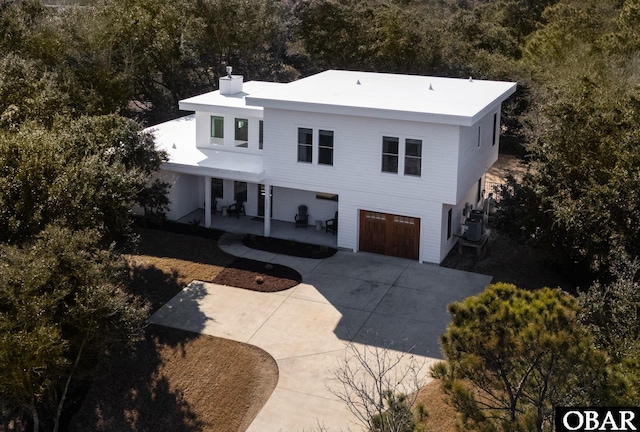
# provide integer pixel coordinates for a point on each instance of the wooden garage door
(389, 234)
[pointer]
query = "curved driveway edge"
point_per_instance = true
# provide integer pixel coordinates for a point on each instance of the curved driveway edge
(350, 297)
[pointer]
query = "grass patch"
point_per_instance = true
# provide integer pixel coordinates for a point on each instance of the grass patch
(177, 380)
(180, 381)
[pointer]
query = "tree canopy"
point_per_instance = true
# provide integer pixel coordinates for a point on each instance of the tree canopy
(85, 174)
(580, 199)
(513, 355)
(62, 306)
(76, 80)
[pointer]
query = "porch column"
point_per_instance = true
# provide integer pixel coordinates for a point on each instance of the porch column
(267, 209)
(207, 201)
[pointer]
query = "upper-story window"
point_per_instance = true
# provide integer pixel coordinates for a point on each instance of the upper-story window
(413, 157)
(495, 128)
(305, 145)
(397, 159)
(217, 130)
(261, 134)
(241, 133)
(479, 135)
(390, 146)
(325, 147)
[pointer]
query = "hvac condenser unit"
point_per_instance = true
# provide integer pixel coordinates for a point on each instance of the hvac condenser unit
(474, 229)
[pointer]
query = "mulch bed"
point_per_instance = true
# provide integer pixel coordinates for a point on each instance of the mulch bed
(288, 247)
(258, 276)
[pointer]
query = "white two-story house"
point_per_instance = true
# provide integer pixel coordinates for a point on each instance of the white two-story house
(398, 157)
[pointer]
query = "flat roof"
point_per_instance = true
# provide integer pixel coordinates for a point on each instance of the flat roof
(394, 96)
(177, 137)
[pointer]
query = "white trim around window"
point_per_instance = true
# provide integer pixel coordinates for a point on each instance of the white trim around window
(402, 154)
(316, 145)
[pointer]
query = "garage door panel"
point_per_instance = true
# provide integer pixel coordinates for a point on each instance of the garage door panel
(373, 235)
(389, 234)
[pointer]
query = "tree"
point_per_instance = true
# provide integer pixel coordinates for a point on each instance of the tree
(380, 387)
(28, 92)
(62, 310)
(580, 201)
(611, 311)
(87, 173)
(389, 36)
(513, 355)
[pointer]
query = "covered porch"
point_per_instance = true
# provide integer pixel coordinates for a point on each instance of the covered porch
(255, 225)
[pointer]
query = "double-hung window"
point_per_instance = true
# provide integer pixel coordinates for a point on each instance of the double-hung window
(217, 130)
(325, 147)
(242, 133)
(305, 145)
(405, 159)
(390, 146)
(413, 157)
(261, 135)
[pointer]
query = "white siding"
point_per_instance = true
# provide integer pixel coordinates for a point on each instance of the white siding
(203, 128)
(357, 177)
(428, 212)
(286, 201)
(457, 219)
(184, 195)
(358, 155)
(475, 161)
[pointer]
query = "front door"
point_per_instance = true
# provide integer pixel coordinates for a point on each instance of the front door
(261, 200)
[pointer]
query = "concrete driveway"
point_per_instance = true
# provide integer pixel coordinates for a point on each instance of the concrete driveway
(367, 299)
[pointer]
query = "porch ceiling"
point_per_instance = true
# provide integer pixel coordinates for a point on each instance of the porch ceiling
(178, 137)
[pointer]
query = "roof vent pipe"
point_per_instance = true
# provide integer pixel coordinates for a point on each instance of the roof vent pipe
(229, 70)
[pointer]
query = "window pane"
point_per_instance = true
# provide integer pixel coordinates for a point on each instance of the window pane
(390, 145)
(305, 144)
(325, 150)
(325, 156)
(413, 157)
(412, 166)
(305, 136)
(326, 138)
(390, 163)
(261, 135)
(414, 147)
(217, 188)
(217, 129)
(495, 129)
(242, 132)
(304, 153)
(390, 154)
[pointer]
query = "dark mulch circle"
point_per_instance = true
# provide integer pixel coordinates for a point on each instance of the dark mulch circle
(258, 276)
(288, 247)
